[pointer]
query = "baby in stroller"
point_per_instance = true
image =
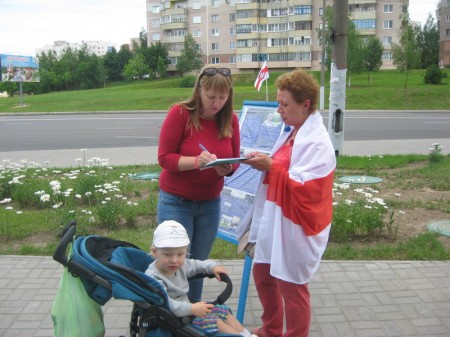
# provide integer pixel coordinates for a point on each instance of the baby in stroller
(172, 269)
(110, 268)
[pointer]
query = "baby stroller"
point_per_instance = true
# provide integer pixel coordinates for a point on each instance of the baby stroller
(111, 268)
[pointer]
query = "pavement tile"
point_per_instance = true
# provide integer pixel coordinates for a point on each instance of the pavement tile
(349, 298)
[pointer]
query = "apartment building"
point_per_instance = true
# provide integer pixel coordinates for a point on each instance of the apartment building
(242, 34)
(98, 48)
(444, 38)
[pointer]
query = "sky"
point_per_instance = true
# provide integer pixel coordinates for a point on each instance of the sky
(26, 25)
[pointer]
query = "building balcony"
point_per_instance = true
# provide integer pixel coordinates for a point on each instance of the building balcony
(246, 36)
(174, 11)
(253, 5)
(249, 21)
(362, 2)
(363, 15)
(247, 50)
(174, 25)
(172, 39)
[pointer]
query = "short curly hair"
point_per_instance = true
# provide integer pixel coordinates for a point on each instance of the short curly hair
(301, 85)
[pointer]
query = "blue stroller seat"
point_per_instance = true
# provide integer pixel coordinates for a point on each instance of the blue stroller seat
(111, 268)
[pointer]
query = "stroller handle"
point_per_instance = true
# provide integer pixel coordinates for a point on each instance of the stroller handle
(226, 293)
(67, 237)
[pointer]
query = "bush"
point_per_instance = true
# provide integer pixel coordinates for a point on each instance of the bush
(187, 81)
(434, 75)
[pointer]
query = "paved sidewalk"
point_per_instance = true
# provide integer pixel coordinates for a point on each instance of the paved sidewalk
(149, 154)
(349, 298)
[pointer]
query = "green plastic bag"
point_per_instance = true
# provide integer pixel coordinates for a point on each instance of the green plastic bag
(74, 313)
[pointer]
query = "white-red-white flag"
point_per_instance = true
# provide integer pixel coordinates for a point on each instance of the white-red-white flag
(262, 76)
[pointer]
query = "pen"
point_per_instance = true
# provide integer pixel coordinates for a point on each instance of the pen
(202, 147)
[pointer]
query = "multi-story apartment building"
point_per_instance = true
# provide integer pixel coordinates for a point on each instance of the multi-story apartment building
(444, 38)
(242, 34)
(98, 48)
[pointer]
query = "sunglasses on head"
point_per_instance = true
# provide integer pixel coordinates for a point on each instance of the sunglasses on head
(213, 71)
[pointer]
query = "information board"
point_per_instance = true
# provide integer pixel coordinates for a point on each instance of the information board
(260, 126)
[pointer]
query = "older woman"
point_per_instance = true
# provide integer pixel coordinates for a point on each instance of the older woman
(196, 131)
(291, 215)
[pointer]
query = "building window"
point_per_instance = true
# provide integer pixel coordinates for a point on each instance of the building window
(215, 18)
(242, 29)
(197, 19)
(300, 41)
(321, 11)
(233, 45)
(155, 9)
(447, 32)
(215, 60)
(298, 10)
(387, 39)
(364, 24)
(386, 56)
(215, 32)
(196, 5)
(388, 24)
(232, 30)
(232, 16)
(214, 3)
(156, 37)
(197, 33)
(448, 18)
(388, 8)
(173, 60)
(155, 23)
(215, 46)
(233, 59)
(277, 12)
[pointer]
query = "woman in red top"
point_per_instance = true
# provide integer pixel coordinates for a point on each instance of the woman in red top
(189, 194)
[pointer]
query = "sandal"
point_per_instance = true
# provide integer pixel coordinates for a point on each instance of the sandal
(259, 332)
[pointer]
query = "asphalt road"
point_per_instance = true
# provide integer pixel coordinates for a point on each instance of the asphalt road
(121, 130)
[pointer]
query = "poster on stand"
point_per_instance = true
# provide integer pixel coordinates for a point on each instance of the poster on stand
(260, 126)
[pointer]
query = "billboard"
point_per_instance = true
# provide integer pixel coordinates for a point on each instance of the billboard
(16, 68)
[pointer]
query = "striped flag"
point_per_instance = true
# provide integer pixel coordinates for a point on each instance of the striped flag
(262, 76)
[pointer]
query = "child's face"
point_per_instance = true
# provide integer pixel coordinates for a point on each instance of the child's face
(169, 260)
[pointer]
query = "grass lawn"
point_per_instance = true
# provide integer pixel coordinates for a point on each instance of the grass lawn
(385, 92)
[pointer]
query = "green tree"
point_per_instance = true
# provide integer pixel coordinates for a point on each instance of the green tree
(325, 36)
(136, 68)
(355, 52)
(428, 42)
(406, 54)
(124, 56)
(112, 65)
(373, 55)
(90, 72)
(162, 67)
(157, 58)
(191, 56)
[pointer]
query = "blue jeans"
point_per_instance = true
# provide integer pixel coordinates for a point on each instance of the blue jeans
(201, 220)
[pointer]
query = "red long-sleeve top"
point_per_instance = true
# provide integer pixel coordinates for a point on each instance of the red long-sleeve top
(176, 141)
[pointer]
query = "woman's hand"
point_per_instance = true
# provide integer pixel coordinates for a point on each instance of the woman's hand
(201, 309)
(259, 161)
(205, 158)
(223, 170)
